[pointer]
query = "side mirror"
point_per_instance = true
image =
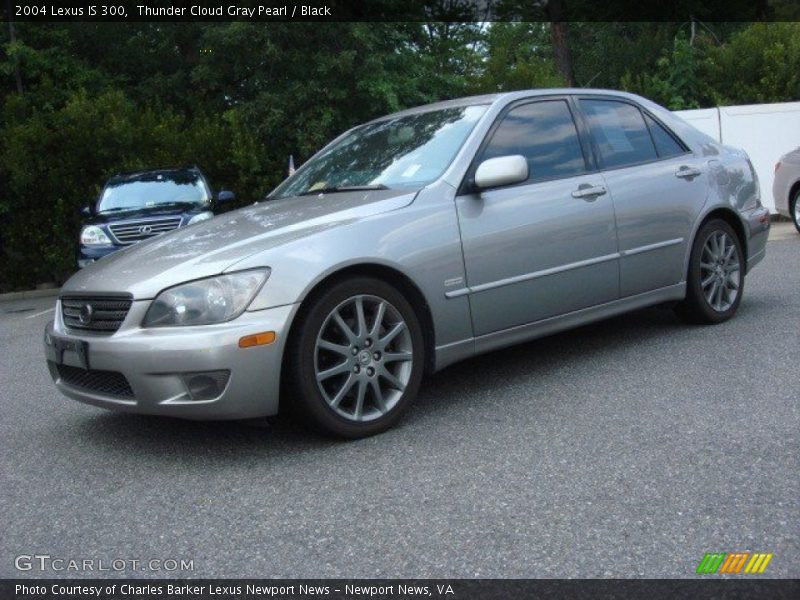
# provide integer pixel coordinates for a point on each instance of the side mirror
(86, 211)
(226, 196)
(503, 170)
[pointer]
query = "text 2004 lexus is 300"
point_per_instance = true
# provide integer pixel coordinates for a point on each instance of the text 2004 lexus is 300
(409, 243)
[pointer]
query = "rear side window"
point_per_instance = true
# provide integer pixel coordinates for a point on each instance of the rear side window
(545, 134)
(666, 145)
(620, 132)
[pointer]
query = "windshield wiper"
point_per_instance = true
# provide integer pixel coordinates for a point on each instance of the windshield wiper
(159, 204)
(344, 188)
(118, 209)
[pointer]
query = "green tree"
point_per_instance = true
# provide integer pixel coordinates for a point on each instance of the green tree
(518, 56)
(758, 64)
(676, 81)
(235, 98)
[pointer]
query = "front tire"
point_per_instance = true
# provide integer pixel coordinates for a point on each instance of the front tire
(794, 210)
(715, 281)
(356, 360)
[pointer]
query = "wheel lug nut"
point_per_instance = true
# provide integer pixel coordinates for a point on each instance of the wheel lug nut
(354, 350)
(356, 369)
(377, 356)
(370, 371)
(368, 343)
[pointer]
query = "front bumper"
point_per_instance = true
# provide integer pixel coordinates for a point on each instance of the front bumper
(156, 361)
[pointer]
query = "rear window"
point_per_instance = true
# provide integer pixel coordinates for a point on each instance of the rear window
(666, 145)
(620, 132)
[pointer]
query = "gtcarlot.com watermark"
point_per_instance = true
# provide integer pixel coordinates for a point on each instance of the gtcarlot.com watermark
(45, 563)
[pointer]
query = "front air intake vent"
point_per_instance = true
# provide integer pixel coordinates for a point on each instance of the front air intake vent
(100, 314)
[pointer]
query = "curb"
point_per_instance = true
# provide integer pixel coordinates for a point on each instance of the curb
(51, 292)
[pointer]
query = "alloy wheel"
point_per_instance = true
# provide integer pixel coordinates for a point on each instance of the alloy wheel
(363, 358)
(720, 271)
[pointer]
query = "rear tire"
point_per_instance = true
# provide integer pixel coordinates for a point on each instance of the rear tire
(356, 359)
(715, 280)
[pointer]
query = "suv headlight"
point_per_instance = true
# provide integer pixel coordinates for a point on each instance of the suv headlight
(92, 235)
(206, 301)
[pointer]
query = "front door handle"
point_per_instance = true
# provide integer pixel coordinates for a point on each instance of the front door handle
(687, 172)
(588, 192)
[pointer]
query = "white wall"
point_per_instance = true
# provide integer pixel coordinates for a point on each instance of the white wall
(764, 131)
(705, 119)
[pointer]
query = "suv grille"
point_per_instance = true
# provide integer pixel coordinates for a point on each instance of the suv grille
(109, 383)
(135, 231)
(102, 315)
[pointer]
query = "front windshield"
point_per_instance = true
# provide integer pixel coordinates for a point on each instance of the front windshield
(412, 150)
(152, 189)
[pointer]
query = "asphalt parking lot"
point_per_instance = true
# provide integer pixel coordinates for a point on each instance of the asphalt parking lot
(628, 448)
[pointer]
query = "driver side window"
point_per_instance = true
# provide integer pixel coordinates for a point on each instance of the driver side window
(544, 133)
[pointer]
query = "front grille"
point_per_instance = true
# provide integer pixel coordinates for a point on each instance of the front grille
(130, 232)
(108, 383)
(103, 315)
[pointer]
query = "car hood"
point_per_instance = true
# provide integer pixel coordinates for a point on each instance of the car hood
(216, 245)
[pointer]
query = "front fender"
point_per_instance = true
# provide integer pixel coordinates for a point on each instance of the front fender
(420, 240)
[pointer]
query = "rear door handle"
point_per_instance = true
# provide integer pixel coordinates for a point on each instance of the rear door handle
(588, 192)
(687, 172)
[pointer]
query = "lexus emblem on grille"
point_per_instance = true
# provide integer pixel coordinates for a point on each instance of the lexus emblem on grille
(85, 315)
(145, 229)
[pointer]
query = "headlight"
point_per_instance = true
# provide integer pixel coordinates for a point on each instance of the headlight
(91, 235)
(203, 216)
(206, 301)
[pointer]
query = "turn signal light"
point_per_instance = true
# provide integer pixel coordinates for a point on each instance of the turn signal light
(257, 339)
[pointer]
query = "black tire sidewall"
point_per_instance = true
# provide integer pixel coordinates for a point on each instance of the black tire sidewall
(307, 401)
(697, 304)
(793, 211)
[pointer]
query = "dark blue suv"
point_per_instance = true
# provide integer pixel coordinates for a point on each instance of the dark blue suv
(142, 204)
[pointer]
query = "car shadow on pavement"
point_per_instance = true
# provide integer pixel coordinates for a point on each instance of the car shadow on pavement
(527, 361)
(170, 438)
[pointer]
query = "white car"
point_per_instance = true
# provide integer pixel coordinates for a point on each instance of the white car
(786, 188)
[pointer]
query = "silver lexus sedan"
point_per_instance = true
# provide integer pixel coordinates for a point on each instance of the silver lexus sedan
(409, 243)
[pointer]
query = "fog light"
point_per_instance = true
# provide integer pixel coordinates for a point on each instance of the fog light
(206, 385)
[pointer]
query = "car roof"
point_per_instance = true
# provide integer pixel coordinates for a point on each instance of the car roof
(505, 97)
(685, 132)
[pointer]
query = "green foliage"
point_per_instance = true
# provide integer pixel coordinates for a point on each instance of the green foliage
(758, 64)
(676, 81)
(604, 52)
(234, 98)
(518, 56)
(238, 98)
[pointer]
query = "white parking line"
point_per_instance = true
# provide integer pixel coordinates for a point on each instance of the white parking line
(39, 314)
